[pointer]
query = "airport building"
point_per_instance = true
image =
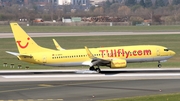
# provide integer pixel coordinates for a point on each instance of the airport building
(59, 2)
(65, 2)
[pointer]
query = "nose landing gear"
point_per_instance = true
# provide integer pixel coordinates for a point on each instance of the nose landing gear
(159, 64)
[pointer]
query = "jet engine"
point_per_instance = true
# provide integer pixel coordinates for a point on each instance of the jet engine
(120, 63)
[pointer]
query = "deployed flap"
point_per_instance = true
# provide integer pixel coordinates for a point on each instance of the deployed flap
(57, 45)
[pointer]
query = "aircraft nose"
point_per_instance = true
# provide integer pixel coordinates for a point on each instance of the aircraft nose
(172, 53)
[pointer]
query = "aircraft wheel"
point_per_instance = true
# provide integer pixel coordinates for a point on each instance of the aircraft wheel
(92, 68)
(98, 70)
(159, 65)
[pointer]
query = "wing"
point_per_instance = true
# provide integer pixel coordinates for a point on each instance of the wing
(112, 63)
(96, 61)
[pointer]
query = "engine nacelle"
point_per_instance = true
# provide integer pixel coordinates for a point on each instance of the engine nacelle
(120, 63)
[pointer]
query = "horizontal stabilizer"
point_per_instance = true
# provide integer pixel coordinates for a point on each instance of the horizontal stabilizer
(12, 53)
(17, 54)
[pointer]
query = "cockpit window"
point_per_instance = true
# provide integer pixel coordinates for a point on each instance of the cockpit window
(166, 49)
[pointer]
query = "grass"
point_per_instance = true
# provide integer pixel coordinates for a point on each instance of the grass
(170, 41)
(164, 97)
(57, 29)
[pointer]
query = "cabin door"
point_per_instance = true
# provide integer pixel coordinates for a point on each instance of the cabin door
(158, 52)
(44, 59)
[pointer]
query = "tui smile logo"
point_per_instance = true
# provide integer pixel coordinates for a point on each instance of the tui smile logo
(23, 46)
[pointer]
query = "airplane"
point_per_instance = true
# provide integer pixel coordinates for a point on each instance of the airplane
(113, 57)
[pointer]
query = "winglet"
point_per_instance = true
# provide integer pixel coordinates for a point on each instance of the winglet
(90, 55)
(57, 45)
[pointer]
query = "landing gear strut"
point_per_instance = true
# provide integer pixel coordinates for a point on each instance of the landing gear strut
(95, 69)
(159, 64)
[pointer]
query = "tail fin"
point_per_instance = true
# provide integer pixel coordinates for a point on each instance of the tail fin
(24, 42)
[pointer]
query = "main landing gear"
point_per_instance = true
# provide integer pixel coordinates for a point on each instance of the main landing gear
(159, 64)
(98, 70)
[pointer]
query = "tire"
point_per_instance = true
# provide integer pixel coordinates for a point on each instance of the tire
(98, 70)
(159, 65)
(92, 68)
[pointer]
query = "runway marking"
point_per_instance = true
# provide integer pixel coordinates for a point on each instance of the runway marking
(20, 100)
(45, 85)
(59, 99)
(105, 87)
(93, 75)
(10, 35)
(89, 86)
(50, 99)
(40, 99)
(23, 89)
(30, 100)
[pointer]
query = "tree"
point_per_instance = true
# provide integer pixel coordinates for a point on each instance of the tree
(114, 8)
(159, 3)
(176, 2)
(99, 10)
(113, 1)
(142, 3)
(124, 11)
(92, 8)
(108, 4)
(136, 20)
(170, 2)
(148, 3)
(130, 2)
(133, 8)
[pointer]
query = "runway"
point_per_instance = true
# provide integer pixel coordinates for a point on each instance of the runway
(76, 75)
(76, 85)
(85, 90)
(10, 35)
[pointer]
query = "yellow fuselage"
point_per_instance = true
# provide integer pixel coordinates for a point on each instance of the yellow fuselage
(76, 57)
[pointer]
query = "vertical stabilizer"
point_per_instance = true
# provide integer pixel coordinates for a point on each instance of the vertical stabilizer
(24, 42)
